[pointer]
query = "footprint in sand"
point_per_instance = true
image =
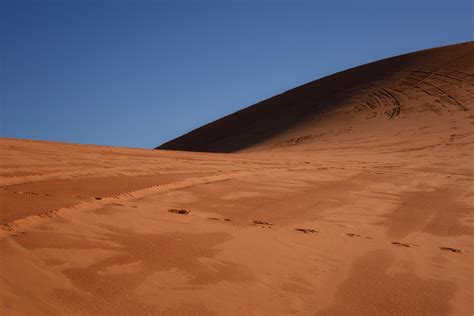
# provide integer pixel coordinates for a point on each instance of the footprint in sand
(258, 222)
(115, 204)
(306, 230)
(402, 244)
(455, 250)
(358, 236)
(179, 211)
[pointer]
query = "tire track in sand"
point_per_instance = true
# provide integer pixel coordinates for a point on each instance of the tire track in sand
(33, 220)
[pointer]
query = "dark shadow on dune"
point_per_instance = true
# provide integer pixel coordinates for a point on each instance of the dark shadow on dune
(267, 119)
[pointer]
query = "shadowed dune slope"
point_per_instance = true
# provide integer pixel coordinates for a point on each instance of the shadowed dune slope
(417, 89)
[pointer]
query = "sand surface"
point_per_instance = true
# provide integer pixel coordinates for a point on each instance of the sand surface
(354, 211)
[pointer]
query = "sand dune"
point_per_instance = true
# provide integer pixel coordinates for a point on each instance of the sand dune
(351, 195)
(421, 88)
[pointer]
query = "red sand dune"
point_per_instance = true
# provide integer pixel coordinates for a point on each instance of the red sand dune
(436, 83)
(350, 195)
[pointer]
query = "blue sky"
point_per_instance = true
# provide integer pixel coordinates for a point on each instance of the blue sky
(139, 73)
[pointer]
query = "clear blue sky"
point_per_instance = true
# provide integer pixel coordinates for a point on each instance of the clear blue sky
(139, 73)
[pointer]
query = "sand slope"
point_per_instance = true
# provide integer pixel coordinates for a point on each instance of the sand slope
(352, 211)
(417, 89)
